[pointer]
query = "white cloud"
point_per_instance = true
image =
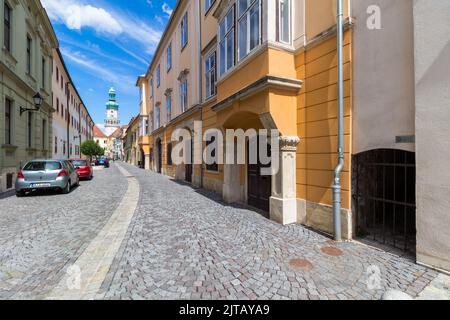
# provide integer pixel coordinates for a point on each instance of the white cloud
(124, 82)
(77, 15)
(166, 9)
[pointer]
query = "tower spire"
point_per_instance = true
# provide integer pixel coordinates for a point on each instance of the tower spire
(112, 122)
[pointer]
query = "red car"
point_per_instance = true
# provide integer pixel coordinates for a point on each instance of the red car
(83, 168)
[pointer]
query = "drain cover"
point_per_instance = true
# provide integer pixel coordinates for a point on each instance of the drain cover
(331, 251)
(301, 264)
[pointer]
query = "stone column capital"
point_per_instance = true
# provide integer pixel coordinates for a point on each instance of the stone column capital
(289, 143)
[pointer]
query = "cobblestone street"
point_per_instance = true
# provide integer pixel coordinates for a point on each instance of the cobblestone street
(183, 243)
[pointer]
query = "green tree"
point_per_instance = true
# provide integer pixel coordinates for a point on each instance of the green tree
(91, 148)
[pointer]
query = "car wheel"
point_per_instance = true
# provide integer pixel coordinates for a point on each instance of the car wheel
(78, 182)
(20, 194)
(66, 189)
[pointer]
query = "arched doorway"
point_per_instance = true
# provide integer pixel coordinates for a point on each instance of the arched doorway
(244, 182)
(384, 197)
(159, 155)
(142, 164)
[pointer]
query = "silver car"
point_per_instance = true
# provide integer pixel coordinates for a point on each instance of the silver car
(46, 175)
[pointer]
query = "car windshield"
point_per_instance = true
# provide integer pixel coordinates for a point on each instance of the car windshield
(79, 163)
(42, 165)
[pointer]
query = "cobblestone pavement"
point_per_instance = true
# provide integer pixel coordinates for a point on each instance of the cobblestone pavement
(186, 244)
(40, 235)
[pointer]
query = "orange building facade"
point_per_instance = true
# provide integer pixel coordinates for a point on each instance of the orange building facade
(254, 65)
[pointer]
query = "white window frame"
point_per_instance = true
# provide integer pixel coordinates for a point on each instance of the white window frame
(280, 38)
(212, 90)
(208, 5)
(246, 15)
(228, 33)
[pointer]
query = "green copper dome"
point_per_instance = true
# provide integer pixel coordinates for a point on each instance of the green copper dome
(112, 103)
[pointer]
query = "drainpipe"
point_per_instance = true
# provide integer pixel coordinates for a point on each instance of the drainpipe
(337, 172)
(200, 78)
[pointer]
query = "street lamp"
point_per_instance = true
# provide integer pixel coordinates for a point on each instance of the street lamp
(37, 104)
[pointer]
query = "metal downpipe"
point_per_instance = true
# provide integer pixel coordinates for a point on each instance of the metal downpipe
(338, 170)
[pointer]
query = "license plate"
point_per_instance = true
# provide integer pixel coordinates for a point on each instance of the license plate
(40, 185)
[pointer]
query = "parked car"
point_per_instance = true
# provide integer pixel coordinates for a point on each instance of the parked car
(83, 168)
(46, 175)
(102, 161)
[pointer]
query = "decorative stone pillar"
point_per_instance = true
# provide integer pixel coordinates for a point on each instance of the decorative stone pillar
(231, 183)
(283, 203)
(147, 162)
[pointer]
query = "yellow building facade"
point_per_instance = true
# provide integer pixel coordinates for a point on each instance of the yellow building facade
(272, 64)
(254, 65)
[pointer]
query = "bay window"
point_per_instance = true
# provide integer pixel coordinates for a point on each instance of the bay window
(227, 42)
(249, 26)
(284, 21)
(208, 4)
(210, 75)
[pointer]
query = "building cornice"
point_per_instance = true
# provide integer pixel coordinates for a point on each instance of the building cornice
(266, 82)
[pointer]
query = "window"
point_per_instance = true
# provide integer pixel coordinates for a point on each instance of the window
(30, 129)
(43, 72)
(284, 21)
(157, 117)
(210, 75)
(8, 117)
(208, 4)
(169, 107)
(158, 76)
(184, 31)
(151, 87)
(152, 121)
(62, 82)
(214, 166)
(183, 95)
(169, 154)
(29, 44)
(146, 126)
(56, 145)
(169, 57)
(249, 26)
(7, 26)
(57, 75)
(57, 105)
(226, 42)
(44, 134)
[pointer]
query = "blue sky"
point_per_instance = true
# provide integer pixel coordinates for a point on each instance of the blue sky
(108, 43)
